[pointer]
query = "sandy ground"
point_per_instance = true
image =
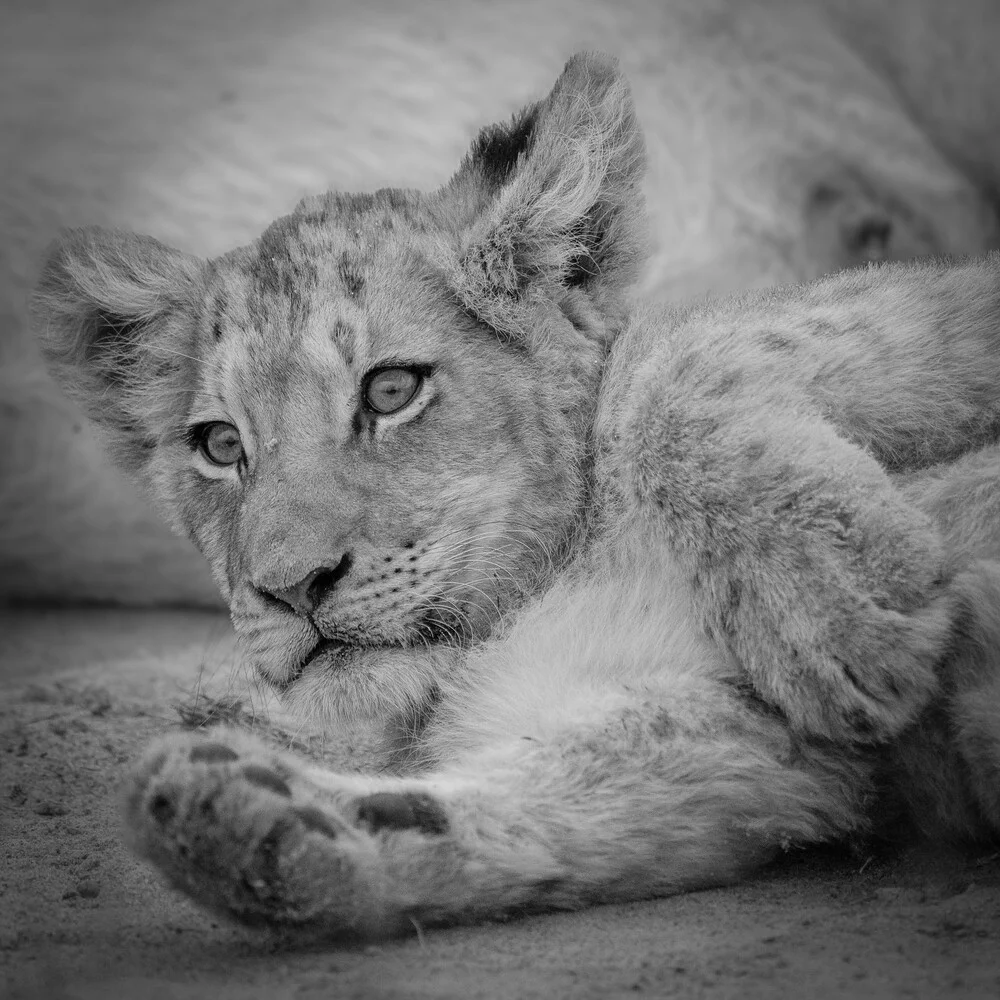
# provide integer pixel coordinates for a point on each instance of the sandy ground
(83, 691)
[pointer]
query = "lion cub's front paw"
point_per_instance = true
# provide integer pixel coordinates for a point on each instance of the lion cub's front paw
(868, 617)
(260, 836)
(871, 676)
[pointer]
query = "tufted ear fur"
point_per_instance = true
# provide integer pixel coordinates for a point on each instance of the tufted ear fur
(553, 201)
(114, 311)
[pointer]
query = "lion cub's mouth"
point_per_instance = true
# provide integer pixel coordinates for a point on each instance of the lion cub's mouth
(325, 653)
(330, 654)
(340, 656)
(326, 649)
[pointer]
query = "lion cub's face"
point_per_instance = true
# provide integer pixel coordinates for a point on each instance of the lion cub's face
(373, 421)
(362, 462)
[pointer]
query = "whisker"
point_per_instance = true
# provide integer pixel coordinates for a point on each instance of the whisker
(180, 354)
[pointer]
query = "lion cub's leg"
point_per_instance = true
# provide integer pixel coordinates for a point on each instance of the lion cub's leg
(963, 498)
(803, 559)
(759, 435)
(972, 682)
(638, 801)
(580, 766)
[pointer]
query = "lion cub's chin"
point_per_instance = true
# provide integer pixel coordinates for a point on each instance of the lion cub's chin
(372, 684)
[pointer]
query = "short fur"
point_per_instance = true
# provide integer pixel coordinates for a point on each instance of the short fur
(656, 593)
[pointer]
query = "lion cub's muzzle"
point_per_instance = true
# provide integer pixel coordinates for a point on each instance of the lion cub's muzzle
(313, 589)
(362, 597)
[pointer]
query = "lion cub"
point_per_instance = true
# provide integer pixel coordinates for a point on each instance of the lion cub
(653, 593)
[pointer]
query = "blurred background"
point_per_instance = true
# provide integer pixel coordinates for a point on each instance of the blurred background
(786, 139)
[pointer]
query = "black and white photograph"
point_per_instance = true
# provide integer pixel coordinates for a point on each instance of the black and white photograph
(499, 499)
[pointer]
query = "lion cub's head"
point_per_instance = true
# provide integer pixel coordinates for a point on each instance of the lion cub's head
(373, 420)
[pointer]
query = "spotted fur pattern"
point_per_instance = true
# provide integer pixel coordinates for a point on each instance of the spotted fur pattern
(659, 592)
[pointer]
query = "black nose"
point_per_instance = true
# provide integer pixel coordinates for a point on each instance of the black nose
(306, 595)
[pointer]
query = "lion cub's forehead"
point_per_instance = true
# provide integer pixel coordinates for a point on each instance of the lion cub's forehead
(324, 293)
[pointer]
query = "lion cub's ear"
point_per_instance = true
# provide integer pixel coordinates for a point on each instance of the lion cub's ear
(114, 314)
(553, 199)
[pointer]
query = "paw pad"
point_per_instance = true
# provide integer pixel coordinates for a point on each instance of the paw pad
(263, 777)
(213, 753)
(402, 811)
(162, 809)
(316, 821)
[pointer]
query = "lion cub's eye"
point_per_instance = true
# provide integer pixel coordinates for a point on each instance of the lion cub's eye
(390, 389)
(220, 443)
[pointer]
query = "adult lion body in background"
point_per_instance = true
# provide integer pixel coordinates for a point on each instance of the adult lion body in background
(785, 139)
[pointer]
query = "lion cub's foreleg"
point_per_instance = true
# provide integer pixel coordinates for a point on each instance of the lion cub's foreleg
(578, 768)
(631, 805)
(760, 434)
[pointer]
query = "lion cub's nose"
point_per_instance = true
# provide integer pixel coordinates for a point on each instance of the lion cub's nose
(306, 595)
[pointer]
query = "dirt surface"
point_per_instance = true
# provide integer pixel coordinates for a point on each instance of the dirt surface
(83, 691)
